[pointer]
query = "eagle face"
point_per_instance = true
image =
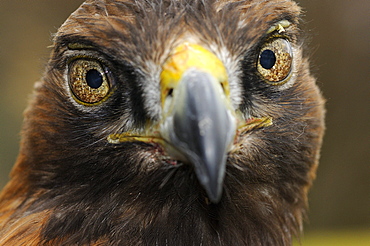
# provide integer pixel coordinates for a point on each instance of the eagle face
(156, 120)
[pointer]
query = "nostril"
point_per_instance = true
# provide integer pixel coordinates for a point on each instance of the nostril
(223, 87)
(170, 91)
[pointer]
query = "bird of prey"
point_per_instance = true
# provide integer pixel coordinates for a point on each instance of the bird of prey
(168, 122)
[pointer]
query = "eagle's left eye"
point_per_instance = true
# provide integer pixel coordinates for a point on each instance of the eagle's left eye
(275, 61)
(88, 80)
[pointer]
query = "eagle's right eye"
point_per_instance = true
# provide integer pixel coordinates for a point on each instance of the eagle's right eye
(275, 61)
(89, 81)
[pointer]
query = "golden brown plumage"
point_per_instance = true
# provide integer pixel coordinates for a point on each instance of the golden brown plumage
(168, 123)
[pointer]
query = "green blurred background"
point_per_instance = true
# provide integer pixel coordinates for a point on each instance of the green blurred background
(339, 41)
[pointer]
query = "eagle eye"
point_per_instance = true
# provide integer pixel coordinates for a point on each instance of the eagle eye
(275, 61)
(89, 81)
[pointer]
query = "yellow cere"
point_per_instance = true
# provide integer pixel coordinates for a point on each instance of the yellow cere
(186, 56)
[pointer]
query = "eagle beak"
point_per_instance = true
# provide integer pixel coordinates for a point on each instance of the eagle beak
(198, 122)
(199, 125)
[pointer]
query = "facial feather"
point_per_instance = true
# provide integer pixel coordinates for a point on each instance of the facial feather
(77, 188)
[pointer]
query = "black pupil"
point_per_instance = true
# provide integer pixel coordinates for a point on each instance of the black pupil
(94, 78)
(267, 59)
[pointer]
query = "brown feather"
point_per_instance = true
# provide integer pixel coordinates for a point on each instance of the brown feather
(69, 186)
